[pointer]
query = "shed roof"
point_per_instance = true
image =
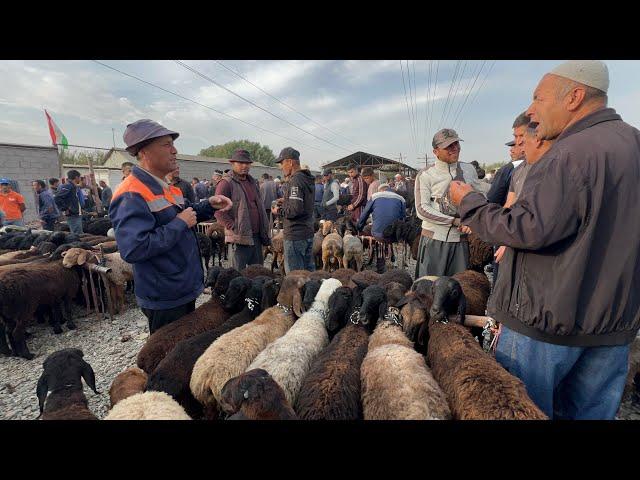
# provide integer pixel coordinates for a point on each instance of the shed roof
(364, 159)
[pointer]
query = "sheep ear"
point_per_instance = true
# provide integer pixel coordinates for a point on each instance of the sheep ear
(82, 258)
(89, 376)
(41, 390)
(402, 302)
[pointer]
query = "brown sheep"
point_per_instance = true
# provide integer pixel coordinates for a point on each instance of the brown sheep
(253, 271)
(277, 249)
(344, 275)
(480, 253)
(476, 289)
(320, 275)
(254, 395)
(365, 277)
(331, 249)
(207, 316)
(215, 231)
(316, 250)
(127, 383)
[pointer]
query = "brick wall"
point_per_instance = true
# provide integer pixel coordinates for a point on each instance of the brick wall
(25, 164)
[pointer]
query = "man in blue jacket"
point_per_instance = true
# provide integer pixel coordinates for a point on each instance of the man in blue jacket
(153, 227)
(69, 200)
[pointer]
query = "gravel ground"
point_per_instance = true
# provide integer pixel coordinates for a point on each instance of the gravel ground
(104, 349)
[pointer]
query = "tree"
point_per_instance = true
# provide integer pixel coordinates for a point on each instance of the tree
(259, 153)
(82, 158)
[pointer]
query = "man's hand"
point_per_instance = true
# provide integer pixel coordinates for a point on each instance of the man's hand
(500, 253)
(188, 216)
(458, 190)
(280, 201)
(220, 202)
(350, 208)
(464, 229)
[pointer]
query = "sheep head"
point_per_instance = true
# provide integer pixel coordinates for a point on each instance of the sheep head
(222, 282)
(327, 227)
(448, 299)
(291, 292)
(270, 290)
(374, 306)
(309, 292)
(64, 369)
(212, 276)
(339, 307)
(236, 293)
(75, 256)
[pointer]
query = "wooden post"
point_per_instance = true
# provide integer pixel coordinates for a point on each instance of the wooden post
(94, 187)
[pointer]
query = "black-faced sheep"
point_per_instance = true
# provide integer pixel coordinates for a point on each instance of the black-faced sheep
(148, 406)
(254, 395)
(23, 288)
(59, 390)
(477, 387)
(215, 232)
(173, 373)
(331, 389)
(126, 384)
(207, 316)
(205, 246)
(396, 382)
(231, 354)
(309, 292)
(289, 357)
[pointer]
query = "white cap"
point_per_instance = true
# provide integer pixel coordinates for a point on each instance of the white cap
(592, 73)
(276, 180)
(382, 187)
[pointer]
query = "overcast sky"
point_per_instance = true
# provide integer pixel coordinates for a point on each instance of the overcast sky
(347, 105)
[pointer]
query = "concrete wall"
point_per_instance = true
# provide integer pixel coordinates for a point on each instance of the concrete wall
(25, 164)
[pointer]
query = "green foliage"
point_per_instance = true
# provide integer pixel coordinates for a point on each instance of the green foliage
(259, 153)
(490, 167)
(82, 158)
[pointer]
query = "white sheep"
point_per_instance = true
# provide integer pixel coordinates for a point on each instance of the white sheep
(288, 358)
(148, 406)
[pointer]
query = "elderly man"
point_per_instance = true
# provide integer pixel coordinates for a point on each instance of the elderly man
(568, 303)
(246, 226)
(400, 185)
(153, 226)
(126, 169)
(297, 208)
(11, 203)
(443, 249)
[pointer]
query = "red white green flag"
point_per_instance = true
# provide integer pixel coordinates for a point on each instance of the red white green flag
(57, 137)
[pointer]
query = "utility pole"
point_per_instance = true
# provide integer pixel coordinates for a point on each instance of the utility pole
(113, 130)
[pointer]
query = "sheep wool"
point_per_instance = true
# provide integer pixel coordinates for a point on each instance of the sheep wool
(396, 382)
(231, 353)
(289, 358)
(148, 406)
(127, 383)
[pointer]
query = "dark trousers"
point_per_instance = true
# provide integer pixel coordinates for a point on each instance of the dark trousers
(441, 258)
(160, 318)
(48, 223)
(243, 255)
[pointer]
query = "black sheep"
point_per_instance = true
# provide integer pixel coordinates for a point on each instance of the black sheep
(204, 243)
(59, 390)
(173, 373)
(309, 292)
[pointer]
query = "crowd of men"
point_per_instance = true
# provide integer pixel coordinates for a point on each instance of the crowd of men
(567, 259)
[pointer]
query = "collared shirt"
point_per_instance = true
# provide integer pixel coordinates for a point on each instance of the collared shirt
(164, 185)
(9, 203)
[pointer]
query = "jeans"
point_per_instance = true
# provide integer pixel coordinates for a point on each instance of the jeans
(160, 318)
(244, 255)
(298, 255)
(75, 224)
(19, 222)
(577, 383)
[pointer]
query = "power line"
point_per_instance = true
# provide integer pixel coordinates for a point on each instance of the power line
(435, 92)
(427, 103)
(455, 121)
(407, 103)
(286, 104)
(257, 106)
(412, 103)
(480, 88)
(455, 92)
(208, 107)
(444, 110)
(415, 104)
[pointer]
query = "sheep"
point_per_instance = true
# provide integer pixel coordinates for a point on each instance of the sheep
(205, 247)
(476, 289)
(148, 406)
(396, 275)
(127, 383)
(173, 373)
(352, 252)
(254, 395)
(120, 273)
(277, 249)
(396, 382)
(97, 226)
(23, 288)
(331, 247)
(343, 274)
(253, 271)
(215, 231)
(231, 354)
(320, 275)
(365, 277)
(110, 246)
(289, 357)
(309, 291)
(207, 316)
(331, 389)
(477, 387)
(59, 388)
(480, 253)
(316, 250)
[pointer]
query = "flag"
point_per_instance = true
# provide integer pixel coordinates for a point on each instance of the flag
(57, 137)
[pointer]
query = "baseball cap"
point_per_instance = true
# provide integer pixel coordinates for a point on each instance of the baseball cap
(445, 137)
(4, 181)
(512, 143)
(142, 130)
(241, 156)
(288, 152)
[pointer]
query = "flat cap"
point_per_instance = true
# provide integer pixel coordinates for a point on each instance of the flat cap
(288, 152)
(512, 143)
(444, 138)
(592, 73)
(142, 130)
(241, 156)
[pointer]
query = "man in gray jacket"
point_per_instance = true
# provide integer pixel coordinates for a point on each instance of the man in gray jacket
(568, 296)
(330, 196)
(443, 248)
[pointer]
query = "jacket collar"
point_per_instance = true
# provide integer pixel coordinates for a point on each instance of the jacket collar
(148, 179)
(233, 176)
(446, 167)
(599, 116)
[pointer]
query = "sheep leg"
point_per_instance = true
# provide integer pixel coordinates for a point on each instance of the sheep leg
(54, 319)
(4, 348)
(18, 342)
(70, 324)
